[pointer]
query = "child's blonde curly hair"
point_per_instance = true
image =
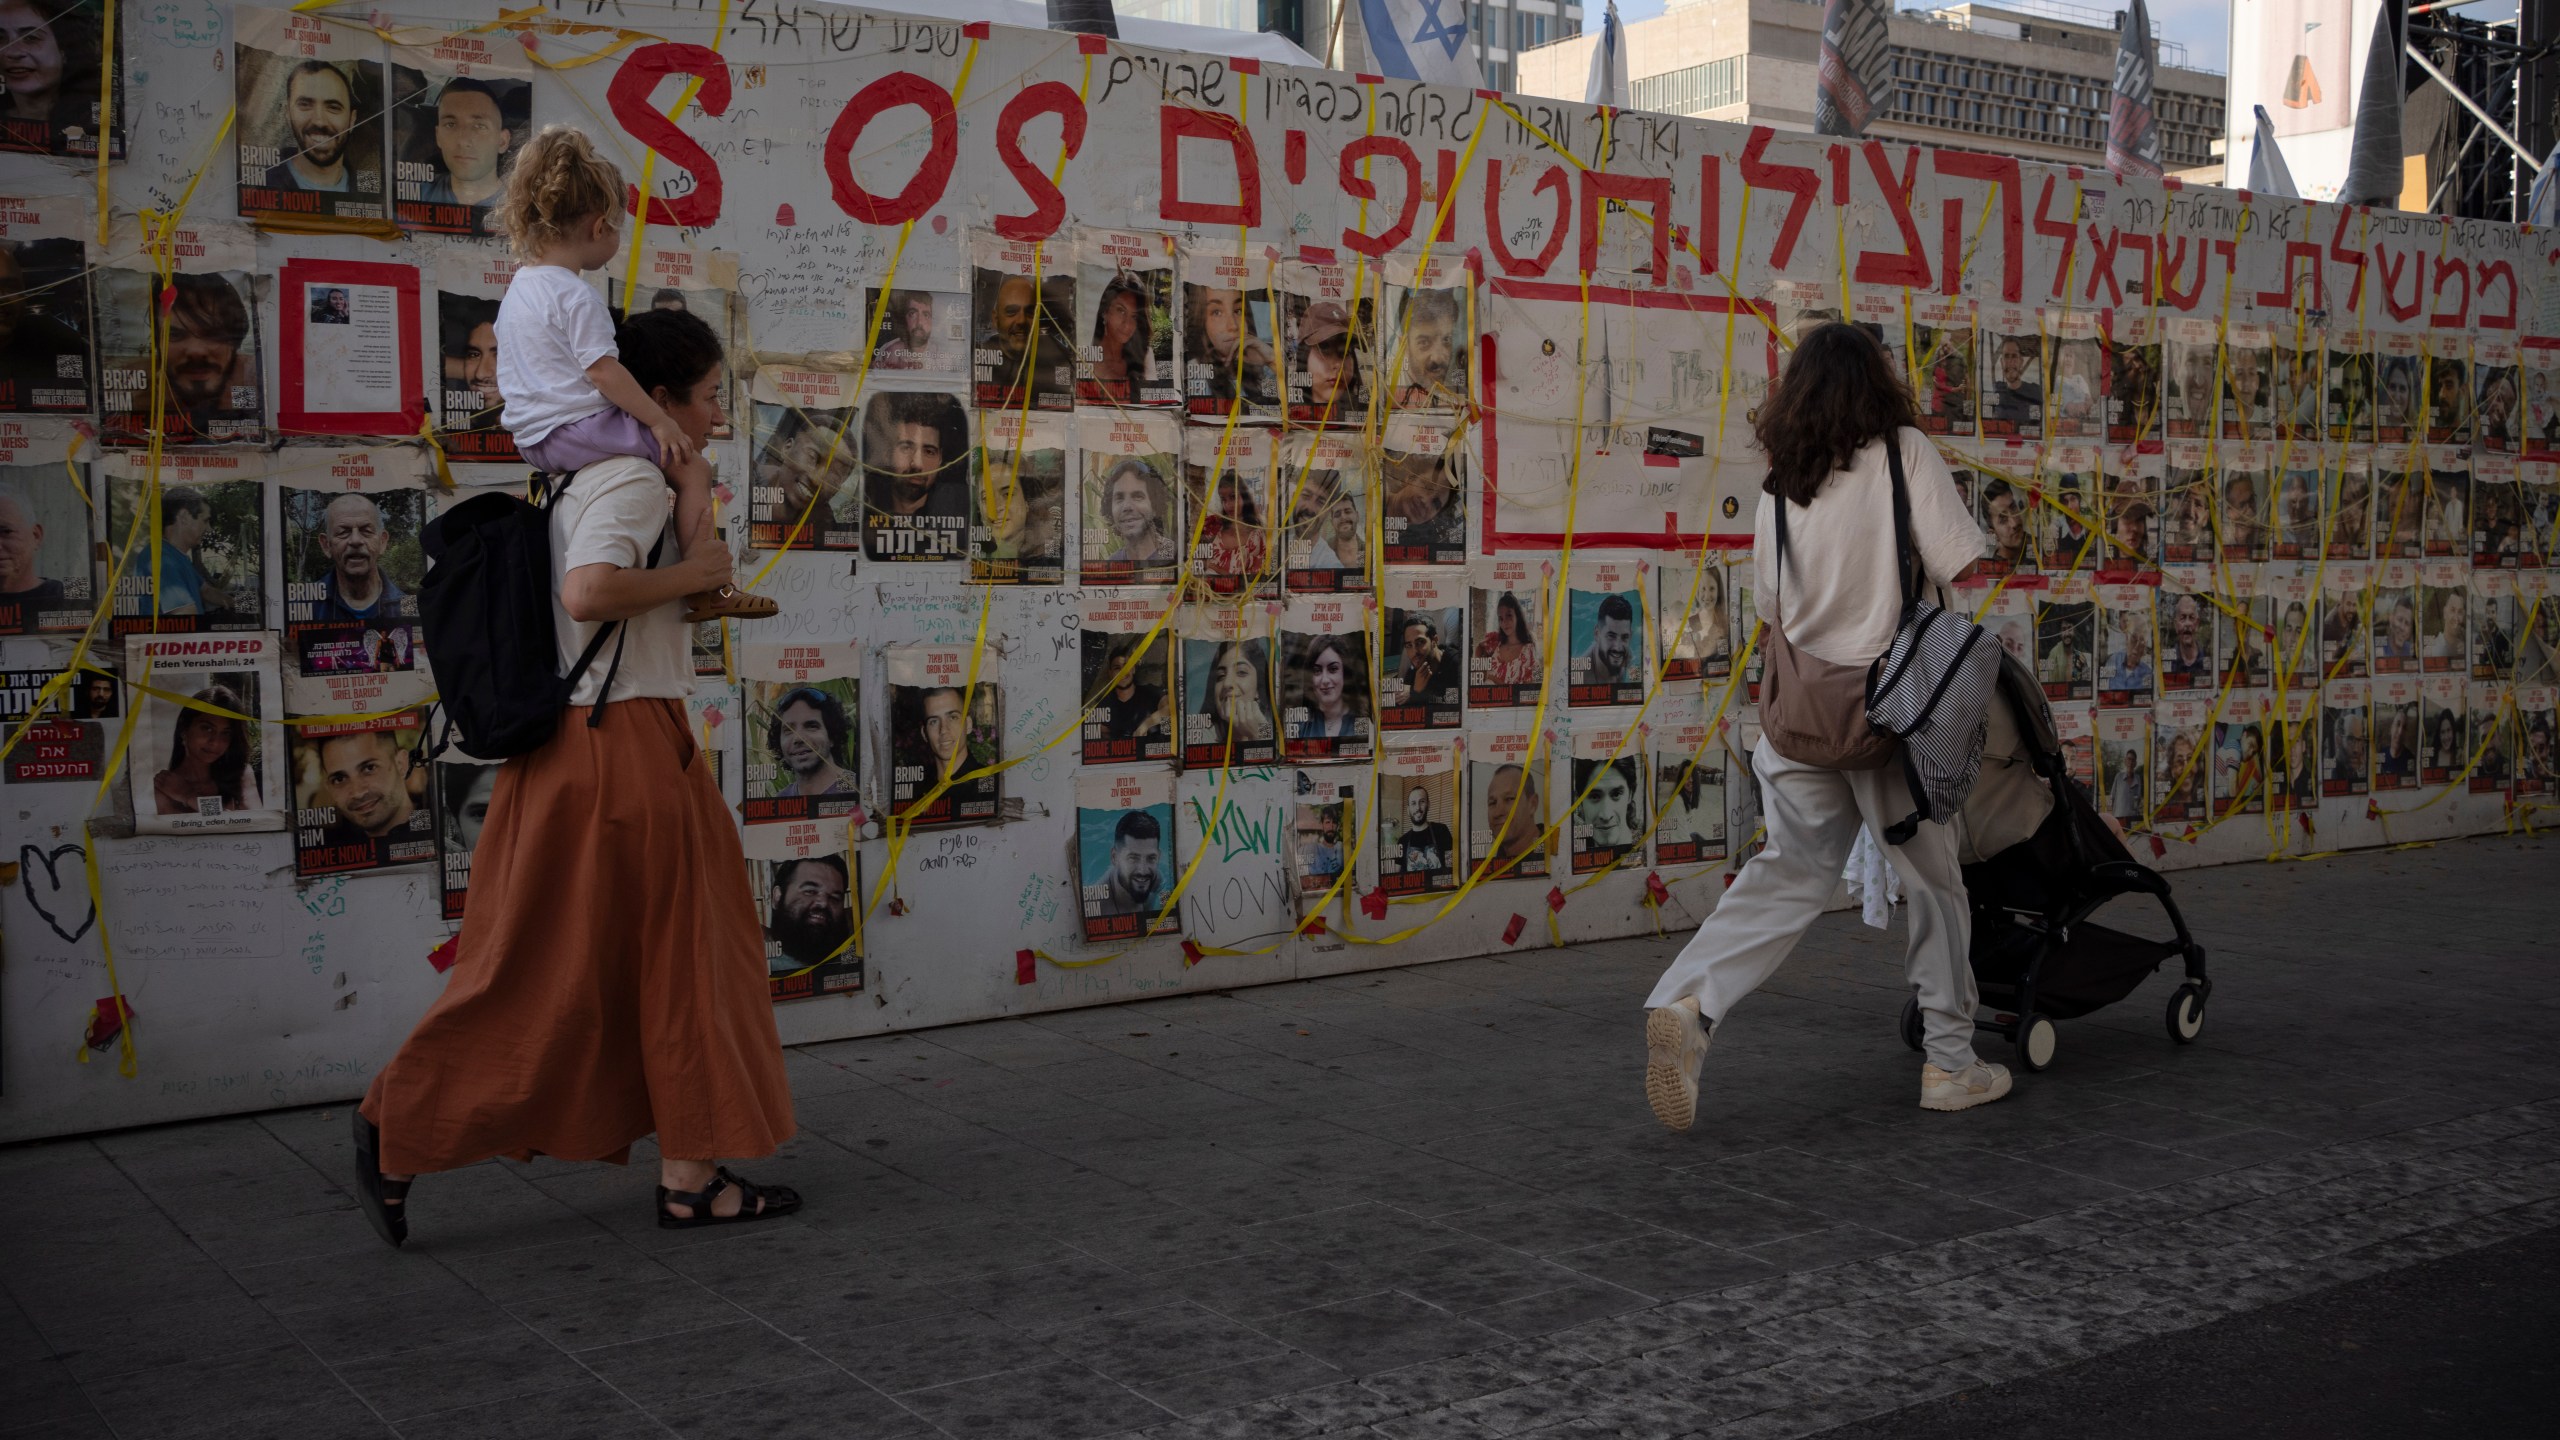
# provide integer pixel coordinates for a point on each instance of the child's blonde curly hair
(558, 183)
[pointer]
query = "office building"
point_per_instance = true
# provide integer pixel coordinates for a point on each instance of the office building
(2031, 78)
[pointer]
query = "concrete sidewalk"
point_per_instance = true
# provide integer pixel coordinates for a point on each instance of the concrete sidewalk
(1427, 1204)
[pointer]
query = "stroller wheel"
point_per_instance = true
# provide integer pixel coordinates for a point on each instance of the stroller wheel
(2035, 1038)
(1911, 1034)
(2186, 1014)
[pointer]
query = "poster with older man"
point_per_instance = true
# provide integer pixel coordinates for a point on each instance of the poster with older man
(1124, 853)
(361, 796)
(460, 109)
(1023, 294)
(44, 306)
(207, 365)
(811, 907)
(48, 572)
(309, 128)
(352, 566)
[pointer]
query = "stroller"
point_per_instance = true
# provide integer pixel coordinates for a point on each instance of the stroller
(2038, 861)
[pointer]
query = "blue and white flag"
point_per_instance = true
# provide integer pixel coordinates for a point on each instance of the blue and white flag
(1607, 84)
(2542, 203)
(1426, 40)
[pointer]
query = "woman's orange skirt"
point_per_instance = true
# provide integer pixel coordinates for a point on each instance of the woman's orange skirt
(610, 975)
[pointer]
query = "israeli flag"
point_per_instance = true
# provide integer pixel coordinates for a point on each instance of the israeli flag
(1424, 40)
(1607, 82)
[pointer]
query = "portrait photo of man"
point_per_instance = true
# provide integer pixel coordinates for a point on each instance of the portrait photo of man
(1433, 375)
(467, 350)
(1428, 669)
(2015, 404)
(1134, 875)
(915, 476)
(1131, 714)
(920, 331)
(370, 786)
(1423, 843)
(1609, 818)
(808, 735)
(353, 537)
(1021, 347)
(943, 744)
(310, 133)
(1318, 833)
(1606, 661)
(1508, 837)
(44, 325)
(207, 356)
(808, 912)
(44, 560)
(454, 139)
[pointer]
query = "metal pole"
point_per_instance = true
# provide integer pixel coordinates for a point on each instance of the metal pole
(2537, 88)
(2473, 106)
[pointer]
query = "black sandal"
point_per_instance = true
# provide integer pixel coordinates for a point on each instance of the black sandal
(777, 1200)
(385, 1201)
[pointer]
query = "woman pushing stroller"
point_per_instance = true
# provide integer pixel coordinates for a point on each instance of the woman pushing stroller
(1832, 609)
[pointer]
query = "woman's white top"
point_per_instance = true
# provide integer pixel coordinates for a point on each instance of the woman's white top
(1840, 599)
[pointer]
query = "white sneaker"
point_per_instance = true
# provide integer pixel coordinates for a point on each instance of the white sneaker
(1979, 1083)
(1675, 1044)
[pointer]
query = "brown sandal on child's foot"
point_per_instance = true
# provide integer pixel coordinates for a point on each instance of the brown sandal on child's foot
(729, 603)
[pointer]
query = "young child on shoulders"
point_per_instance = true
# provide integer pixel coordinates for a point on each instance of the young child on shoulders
(569, 402)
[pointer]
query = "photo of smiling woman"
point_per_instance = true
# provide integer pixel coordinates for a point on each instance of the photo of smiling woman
(1226, 713)
(49, 100)
(212, 761)
(1326, 693)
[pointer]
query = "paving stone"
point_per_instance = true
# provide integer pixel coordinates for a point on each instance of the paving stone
(1440, 1211)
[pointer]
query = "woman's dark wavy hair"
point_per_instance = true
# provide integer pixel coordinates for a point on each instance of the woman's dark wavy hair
(1839, 391)
(233, 766)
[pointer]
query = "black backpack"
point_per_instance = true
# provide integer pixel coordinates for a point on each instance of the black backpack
(485, 606)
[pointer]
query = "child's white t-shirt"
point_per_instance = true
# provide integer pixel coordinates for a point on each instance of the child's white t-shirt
(552, 325)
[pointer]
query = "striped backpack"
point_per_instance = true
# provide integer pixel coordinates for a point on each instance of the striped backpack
(1932, 689)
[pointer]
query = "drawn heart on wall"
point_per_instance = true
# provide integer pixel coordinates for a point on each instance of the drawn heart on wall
(46, 896)
(785, 216)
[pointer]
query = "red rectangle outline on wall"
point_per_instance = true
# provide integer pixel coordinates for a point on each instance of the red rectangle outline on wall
(294, 313)
(1669, 537)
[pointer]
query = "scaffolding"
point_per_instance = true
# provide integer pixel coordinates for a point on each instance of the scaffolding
(2502, 78)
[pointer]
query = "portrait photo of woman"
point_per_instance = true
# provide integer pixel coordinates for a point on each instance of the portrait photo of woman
(212, 761)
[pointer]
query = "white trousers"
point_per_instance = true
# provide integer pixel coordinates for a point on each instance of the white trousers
(1813, 816)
